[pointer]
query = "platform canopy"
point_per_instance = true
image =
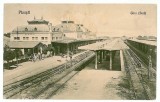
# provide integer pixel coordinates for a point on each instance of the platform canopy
(95, 46)
(116, 44)
(23, 44)
(147, 42)
(68, 40)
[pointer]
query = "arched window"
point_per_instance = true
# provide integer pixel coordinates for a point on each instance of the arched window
(26, 29)
(35, 29)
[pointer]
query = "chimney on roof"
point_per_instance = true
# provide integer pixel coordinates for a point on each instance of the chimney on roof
(34, 17)
(42, 18)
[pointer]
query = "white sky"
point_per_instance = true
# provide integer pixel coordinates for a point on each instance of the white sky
(104, 19)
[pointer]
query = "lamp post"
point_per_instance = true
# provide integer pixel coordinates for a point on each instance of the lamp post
(66, 62)
(70, 55)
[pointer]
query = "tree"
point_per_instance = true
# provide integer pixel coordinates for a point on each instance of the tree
(17, 53)
(7, 34)
(8, 55)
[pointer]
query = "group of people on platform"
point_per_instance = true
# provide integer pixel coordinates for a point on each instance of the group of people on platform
(39, 56)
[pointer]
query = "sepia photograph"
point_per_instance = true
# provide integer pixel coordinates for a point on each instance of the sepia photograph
(79, 51)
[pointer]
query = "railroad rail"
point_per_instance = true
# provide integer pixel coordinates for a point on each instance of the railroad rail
(136, 72)
(144, 58)
(16, 88)
(52, 88)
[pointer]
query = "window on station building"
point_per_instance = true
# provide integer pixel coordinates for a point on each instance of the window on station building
(56, 38)
(36, 38)
(26, 29)
(24, 38)
(42, 38)
(32, 38)
(27, 38)
(35, 29)
(16, 38)
(46, 38)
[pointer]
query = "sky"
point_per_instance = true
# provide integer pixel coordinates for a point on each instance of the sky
(102, 19)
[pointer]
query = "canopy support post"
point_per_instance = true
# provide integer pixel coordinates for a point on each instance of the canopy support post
(110, 60)
(96, 60)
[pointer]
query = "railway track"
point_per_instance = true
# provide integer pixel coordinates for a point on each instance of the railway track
(144, 59)
(134, 67)
(52, 88)
(22, 85)
(35, 78)
(140, 63)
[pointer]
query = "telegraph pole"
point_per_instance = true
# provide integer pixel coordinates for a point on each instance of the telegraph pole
(150, 65)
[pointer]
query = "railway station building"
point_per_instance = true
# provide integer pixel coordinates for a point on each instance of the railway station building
(65, 37)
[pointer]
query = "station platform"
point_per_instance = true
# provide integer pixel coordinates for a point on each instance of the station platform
(92, 84)
(27, 69)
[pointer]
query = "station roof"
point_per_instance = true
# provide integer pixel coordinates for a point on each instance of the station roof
(95, 46)
(23, 44)
(69, 26)
(153, 43)
(38, 21)
(71, 40)
(32, 28)
(116, 44)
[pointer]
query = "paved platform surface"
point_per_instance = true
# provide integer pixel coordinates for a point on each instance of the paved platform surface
(29, 68)
(92, 84)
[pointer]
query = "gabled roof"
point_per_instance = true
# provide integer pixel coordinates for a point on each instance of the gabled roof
(23, 44)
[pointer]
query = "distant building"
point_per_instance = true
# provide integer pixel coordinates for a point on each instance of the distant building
(70, 30)
(149, 38)
(36, 30)
(42, 31)
(64, 37)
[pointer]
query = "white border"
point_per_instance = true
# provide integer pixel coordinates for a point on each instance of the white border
(76, 1)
